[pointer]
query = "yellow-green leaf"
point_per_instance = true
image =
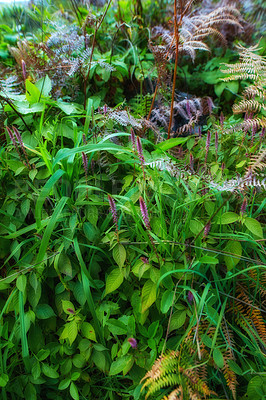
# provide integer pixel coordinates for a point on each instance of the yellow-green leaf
(148, 295)
(254, 226)
(113, 281)
(119, 254)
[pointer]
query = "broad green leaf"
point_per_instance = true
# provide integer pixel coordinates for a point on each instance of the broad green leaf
(234, 247)
(32, 92)
(70, 331)
(44, 311)
(44, 85)
(218, 358)
(167, 301)
(30, 392)
(168, 144)
(68, 108)
(64, 384)
(113, 281)
(3, 380)
(21, 283)
(209, 260)
(116, 327)
(148, 295)
(88, 331)
(49, 371)
(79, 360)
(118, 365)
(74, 391)
(219, 88)
(178, 319)
(68, 307)
(119, 254)
(235, 367)
(196, 226)
(229, 218)
(254, 226)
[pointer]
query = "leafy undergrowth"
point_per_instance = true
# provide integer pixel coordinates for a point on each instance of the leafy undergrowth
(132, 247)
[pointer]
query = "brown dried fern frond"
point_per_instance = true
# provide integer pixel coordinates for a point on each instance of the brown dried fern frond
(248, 106)
(257, 162)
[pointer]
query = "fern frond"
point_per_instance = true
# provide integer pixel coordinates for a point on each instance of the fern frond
(257, 162)
(248, 106)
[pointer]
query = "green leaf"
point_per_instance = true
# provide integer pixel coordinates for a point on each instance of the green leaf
(196, 226)
(218, 358)
(30, 392)
(119, 254)
(44, 85)
(88, 331)
(44, 311)
(21, 283)
(168, 144)
(167, 301)
(254, 226)
(116, 327)
(49, 371)
(68, 108)
(70, 331)
(219, 88)
(64, 384)
(148, 295)
(32, 92)
(178, 319)
(118, 365)
(3, 380)
(234, 367)
(229, 218)
(234, 247)
(68, 307)
(74, 391)
(209, 260)
(113, 281)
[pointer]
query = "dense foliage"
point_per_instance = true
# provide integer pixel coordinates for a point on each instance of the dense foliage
(132, 201)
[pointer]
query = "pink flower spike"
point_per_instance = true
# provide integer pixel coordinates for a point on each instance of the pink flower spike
(190, 297)
(207, 229)
(24, 71)
(85, 163)
(133, 139)
(133, 342)
(144, 213)
(208, 141)
(244, 206)
(216, 142)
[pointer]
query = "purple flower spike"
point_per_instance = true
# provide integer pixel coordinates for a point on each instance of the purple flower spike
(216, 142)
(24, 71)
(144, 213)
(133, 139)
(244, 206)
(208, 141)
(190, 297)
(188, 109)
(144, 260)
(133, 342)
(85, 163)
(113, 211)
(207, 229)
